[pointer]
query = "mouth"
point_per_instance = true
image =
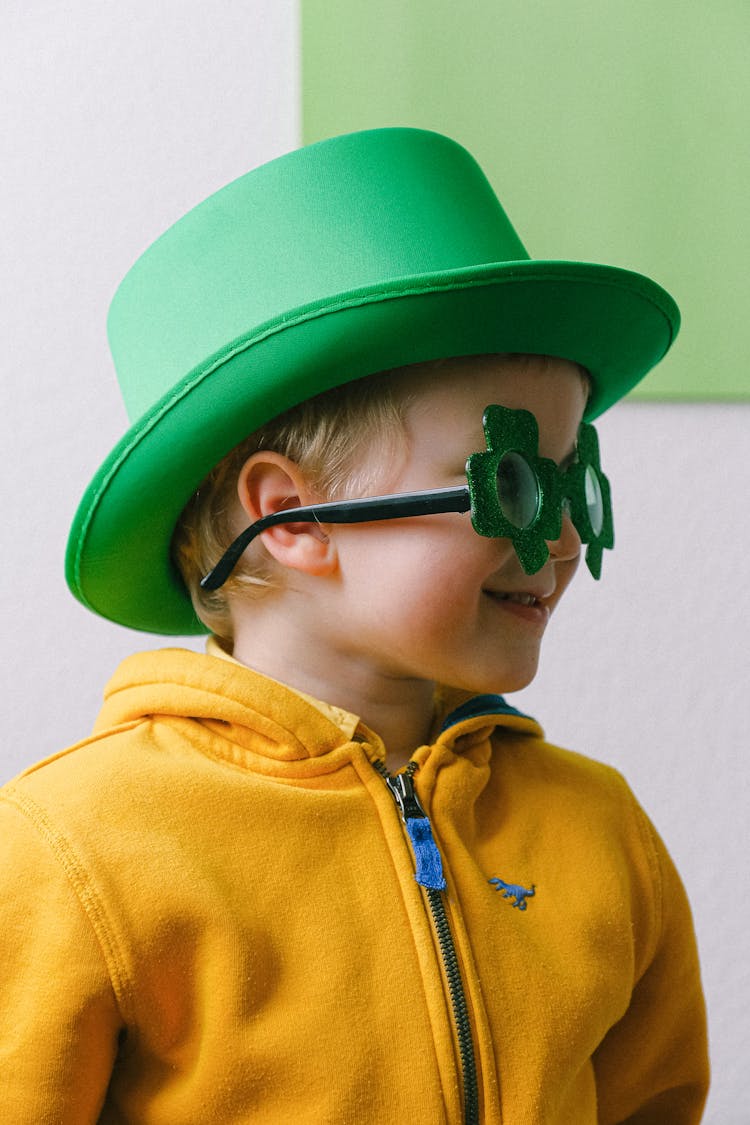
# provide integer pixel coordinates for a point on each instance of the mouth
(518, 598)
(522, 604)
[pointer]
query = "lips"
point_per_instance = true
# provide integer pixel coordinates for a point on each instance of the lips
(519, 597)
(523, 604)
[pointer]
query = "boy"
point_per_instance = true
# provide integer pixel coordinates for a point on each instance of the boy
(324, 873)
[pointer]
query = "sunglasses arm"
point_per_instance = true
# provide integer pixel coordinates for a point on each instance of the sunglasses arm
(365, 510)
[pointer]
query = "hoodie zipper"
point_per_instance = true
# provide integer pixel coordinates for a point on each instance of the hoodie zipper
(429, 875)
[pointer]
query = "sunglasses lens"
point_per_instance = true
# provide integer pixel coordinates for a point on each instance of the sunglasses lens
(594, 500)
(518, 490)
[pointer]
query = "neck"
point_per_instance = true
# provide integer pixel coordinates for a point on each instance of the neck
(398, 709)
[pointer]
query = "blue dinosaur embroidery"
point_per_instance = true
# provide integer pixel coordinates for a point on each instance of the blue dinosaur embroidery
(513, 891)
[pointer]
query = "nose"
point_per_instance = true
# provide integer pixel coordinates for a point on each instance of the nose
(568, 545)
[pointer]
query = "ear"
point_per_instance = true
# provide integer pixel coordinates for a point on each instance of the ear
(268, 482)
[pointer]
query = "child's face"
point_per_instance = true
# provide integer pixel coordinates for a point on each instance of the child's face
(428, 598)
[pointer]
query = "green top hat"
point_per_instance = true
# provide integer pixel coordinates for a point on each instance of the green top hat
(351, 256)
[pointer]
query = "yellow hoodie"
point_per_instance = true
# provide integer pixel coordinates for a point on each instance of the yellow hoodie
(211, 915)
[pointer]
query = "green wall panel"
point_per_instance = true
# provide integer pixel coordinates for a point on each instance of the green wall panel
(613, 132)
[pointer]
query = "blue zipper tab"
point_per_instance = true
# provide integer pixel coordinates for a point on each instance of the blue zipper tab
(429, 871)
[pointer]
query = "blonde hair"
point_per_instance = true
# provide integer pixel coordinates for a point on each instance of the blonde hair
(326, 437)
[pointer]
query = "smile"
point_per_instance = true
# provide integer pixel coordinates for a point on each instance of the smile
(522, 605)
(519, 599)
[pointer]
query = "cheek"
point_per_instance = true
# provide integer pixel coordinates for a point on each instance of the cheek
(424, 578)
(419, 568)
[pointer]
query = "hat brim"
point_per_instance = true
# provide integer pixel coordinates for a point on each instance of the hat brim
(616, 323)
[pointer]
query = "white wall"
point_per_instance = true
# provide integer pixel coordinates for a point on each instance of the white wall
(115, 120)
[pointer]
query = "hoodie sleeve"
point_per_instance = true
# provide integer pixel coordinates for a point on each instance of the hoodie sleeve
(652, 1066)
(59, 1019)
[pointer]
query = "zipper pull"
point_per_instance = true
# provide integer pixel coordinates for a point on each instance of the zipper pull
(429, 871)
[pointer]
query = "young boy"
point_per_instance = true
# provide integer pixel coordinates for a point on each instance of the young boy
(324, 873)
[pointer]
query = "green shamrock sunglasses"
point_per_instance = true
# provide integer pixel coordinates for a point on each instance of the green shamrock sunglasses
(511, 493)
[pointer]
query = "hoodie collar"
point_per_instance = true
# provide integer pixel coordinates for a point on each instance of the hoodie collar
(346, 721)
(254, 721)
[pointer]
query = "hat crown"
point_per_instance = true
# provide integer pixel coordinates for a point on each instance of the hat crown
(359, 211)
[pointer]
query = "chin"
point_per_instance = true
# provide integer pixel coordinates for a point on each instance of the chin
(504, 680)
(517, 683)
